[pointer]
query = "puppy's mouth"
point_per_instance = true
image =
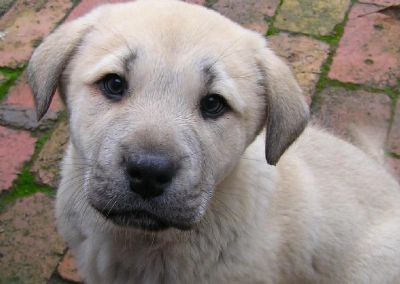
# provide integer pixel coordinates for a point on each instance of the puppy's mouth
(141, 219)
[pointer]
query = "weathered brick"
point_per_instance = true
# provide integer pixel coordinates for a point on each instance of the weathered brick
(68, 269)
(4, 6)
(21, 95)
(305, 56)
(368, 52)
(394, 167)
(251, 14)
(18, 109)
(30, 247)
(25, 24)
(47, 166)
(198, 2)
(394, 135)
(87, 5)
(381, 2)
(25, 118)
(2, 78)
(16, 147)
(340, 109)
(316, 17)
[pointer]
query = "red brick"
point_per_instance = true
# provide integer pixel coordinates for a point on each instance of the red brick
(47, 165)
(368, 51)
(29, 244)
(251, 14)
(394, 135)
(381, 2)
(394, 167)
(18, 110)
(16, 147)
(25, 24)
(21, 95)
(305, 55)
(68, 269)
(4, 6)
(198, 2)
(311, 16)
(87, 5)
(2, 78)
(340, 109)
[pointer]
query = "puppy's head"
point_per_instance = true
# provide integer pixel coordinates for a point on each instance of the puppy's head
(164, 97)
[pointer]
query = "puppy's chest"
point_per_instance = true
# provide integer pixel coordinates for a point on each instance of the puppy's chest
(143, 264)
(184, 263)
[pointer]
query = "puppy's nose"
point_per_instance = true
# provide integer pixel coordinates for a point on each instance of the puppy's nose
(150, 174)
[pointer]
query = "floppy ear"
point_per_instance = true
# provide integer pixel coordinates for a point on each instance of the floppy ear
(49, 60)
(287, 111)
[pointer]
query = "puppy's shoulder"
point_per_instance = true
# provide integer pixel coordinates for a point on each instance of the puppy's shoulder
(337, 168)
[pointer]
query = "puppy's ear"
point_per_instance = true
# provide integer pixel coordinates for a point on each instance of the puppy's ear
(287, 112)
(49, 60)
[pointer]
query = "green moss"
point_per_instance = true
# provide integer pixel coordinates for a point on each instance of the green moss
(324, 81)
(44, 136)
(11, 76)
(378, 27)
(210, 3)
(334, 38)
(5, 5)
(57, 279)
(272, 30)
(395, 97)
(369, 61)
(74, 4)
(35, 43)
(394, 155)
(41, 141)
(23, 187)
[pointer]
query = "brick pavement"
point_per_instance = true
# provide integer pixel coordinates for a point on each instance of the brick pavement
(345, 54)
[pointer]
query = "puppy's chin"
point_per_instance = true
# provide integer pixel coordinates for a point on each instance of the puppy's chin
(143, 220)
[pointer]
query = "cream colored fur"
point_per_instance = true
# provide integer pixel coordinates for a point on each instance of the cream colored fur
(326, 213)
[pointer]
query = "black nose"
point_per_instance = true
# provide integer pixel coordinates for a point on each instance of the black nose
(150, 174)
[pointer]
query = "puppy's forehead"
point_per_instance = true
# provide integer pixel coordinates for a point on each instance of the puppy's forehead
(171, 30)
(171, 21)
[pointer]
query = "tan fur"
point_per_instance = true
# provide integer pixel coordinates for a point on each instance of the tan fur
(326, 213)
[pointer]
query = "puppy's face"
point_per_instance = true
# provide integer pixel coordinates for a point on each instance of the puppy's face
(164, 97)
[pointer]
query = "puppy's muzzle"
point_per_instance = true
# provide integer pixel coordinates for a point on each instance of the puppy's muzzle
(150, 174)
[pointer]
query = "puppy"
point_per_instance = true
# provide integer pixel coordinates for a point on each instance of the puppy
(172, 109)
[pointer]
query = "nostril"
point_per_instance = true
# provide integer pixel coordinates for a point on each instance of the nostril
(163, 179)
(135, 174)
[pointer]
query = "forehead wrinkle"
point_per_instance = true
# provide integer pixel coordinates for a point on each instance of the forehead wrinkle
(119, 62)
(128, 60)
(210, 75)
(217, 80)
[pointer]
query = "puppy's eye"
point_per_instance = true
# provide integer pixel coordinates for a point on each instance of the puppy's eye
(113, 86)
(213, 106)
